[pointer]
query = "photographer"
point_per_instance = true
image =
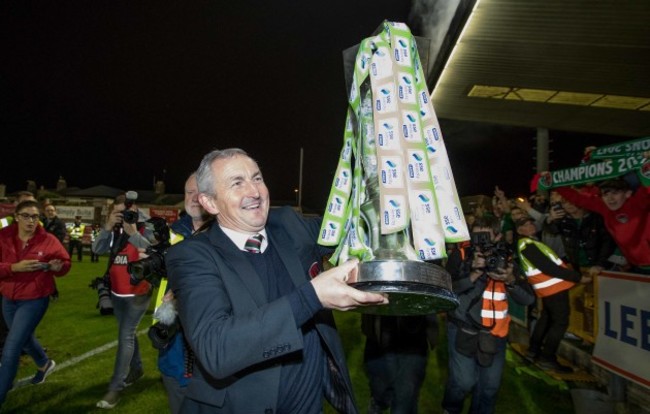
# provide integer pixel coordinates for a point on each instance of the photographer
(483, 276)
(123, 235)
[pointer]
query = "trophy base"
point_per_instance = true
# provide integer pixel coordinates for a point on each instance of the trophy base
(413, 288)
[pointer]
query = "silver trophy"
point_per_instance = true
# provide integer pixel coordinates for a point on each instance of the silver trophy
(414, 287)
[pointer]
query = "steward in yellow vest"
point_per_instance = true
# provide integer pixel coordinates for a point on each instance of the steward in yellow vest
(75, 233)
(551, 279)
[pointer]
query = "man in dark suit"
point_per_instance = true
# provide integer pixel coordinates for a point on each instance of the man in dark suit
(264, 339)
(53, 224)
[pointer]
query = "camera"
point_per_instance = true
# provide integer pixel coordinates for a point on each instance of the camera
(152, 268)
(163, 331)
(497, 255)
(161, 334)
(130, 216)
(104, 303)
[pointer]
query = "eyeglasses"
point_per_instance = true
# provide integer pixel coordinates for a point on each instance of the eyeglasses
(28, 217)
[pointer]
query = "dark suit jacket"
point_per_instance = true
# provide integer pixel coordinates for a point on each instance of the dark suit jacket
(236, 334)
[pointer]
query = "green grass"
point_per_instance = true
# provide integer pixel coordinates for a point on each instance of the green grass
(73, 327)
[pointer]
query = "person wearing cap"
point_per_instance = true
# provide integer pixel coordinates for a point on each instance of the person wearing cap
(551, 280)
(76, 232)
(625, 214)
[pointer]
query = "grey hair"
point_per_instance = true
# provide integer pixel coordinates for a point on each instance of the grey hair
(204, 178)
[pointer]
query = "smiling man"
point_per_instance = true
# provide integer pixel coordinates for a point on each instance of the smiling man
(261, 330)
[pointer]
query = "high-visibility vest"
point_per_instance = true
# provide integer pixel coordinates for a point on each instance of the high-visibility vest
(543, 284)
(162, 289)
(494, 313)
(77, 232)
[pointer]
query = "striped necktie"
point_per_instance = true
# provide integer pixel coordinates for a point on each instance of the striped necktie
(254, 244)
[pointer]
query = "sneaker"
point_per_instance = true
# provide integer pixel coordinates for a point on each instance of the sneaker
(109, 400)
(40, 376)
(553, 365)
(133, 377)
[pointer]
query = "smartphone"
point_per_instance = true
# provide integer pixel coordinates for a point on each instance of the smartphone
(44, 266)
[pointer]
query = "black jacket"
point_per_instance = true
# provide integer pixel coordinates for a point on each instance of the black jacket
(56, 227)
(470, 293)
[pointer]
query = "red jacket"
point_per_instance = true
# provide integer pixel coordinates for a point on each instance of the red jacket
(42, 247)
(629, 225)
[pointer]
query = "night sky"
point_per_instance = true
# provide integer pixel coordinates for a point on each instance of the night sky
(117, 93)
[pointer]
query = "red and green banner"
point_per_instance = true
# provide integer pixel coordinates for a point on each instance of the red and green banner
(606, 162)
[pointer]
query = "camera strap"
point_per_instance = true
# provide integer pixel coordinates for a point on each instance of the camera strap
(119, 241)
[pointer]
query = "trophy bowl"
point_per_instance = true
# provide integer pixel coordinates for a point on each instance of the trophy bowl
(413, 287)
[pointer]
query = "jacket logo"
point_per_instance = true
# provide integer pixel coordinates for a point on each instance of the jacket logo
(121, 260)
(622, 218)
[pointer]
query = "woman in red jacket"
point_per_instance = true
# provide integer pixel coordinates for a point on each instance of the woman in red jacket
(29, 259)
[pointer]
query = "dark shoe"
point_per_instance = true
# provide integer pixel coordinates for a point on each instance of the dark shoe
(109, 400)
(133, 376)
(40, 376)
(553, 365)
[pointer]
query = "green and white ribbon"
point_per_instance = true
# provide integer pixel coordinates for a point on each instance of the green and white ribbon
(392, 128)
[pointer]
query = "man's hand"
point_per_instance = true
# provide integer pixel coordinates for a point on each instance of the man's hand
(130, 228)
(556, 214)
(334, 293)
(504, 275)
(478, 261)
(114, 218)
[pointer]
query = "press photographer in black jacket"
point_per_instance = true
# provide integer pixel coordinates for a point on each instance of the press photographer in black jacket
(484, 274)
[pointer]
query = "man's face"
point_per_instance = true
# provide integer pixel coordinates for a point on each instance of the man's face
(517, 213)
(497, 207)
(50, 212)
(192, 205)
(614, 199)
(241, 199)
